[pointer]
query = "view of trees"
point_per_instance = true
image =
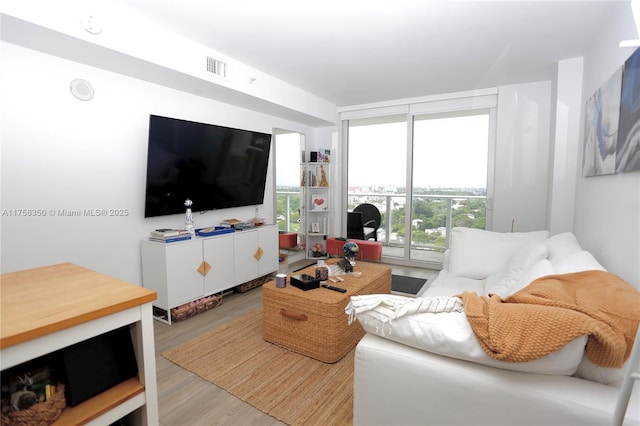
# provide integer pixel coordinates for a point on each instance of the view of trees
(294, 208)
(429, 217)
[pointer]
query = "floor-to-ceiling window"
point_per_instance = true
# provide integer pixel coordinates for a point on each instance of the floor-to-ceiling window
(288, 148)
(449, 177)
(377, 170)
(427, 170)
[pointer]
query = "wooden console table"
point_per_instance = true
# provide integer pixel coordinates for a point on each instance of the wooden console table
(49, 308)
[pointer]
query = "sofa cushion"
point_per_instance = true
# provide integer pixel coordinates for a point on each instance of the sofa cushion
(447, 284)
(541, 269)
(590, 371)
(562, 246)
(450, 334)
(580, 261)
(476, 253)
(503, 281)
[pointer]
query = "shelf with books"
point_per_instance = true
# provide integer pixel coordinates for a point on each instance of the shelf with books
(167, 235)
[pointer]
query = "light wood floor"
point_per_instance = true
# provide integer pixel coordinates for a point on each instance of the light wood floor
(186, 399)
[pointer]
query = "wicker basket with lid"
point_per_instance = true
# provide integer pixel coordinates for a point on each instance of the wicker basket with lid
(313, 322)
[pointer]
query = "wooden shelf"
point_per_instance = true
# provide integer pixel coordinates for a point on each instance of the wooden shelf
(100, 404)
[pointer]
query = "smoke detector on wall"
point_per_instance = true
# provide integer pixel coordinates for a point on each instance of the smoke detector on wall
(81, 89)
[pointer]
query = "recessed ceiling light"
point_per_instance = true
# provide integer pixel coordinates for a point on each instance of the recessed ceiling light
(91, 24)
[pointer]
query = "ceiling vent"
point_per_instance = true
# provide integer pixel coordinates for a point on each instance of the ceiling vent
(216, 67)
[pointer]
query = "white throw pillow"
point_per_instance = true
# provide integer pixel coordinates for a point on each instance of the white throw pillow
(577, 262)
(449, 334)
(503, 281)
(539, 270)
(590, 371)
(561, 246)
(476, 253)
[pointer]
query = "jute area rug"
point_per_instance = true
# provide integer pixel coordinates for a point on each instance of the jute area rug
(293, 388)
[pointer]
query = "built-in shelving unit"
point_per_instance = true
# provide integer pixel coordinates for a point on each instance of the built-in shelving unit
(316, 206)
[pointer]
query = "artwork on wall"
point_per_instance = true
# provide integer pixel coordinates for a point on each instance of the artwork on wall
(628, 146)
(612, 123)
(601, 128)
(319, 202)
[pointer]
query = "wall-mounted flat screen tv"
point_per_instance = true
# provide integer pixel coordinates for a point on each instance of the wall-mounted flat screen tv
(215, 167)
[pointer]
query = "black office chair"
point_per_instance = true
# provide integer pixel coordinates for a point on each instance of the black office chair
(365, 221)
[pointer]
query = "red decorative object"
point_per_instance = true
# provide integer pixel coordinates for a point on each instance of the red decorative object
(369, 250)
(288, 240)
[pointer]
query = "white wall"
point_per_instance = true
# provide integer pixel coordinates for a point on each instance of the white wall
(522, 158)
(61, 153)
(562, 183)
(607, 208)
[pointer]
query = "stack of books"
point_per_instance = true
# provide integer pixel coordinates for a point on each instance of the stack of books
(230, 223)
(166, 235)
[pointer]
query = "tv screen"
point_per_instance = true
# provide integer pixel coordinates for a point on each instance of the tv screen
(215, 167)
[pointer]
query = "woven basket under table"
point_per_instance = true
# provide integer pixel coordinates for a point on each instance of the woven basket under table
(41, 414)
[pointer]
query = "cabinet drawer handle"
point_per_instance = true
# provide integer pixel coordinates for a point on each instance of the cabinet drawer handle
(297, 317)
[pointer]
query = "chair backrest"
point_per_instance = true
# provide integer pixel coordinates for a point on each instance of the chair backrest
(355, 228)
(369, 213)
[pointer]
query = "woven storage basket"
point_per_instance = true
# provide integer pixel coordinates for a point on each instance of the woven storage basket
(41, 414)
(250, 285)
(190, 309)
(313, 322)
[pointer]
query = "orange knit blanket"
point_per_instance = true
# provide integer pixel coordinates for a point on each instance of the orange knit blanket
(554, 310)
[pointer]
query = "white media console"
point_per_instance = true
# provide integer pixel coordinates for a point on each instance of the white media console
(185, 271)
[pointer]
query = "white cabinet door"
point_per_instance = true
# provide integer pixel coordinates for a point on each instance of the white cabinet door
(185, 271)
(268, 242)
(185, 283)
(246, 255)
(218, 254)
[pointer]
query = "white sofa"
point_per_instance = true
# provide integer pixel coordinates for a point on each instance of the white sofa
(404, 376)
